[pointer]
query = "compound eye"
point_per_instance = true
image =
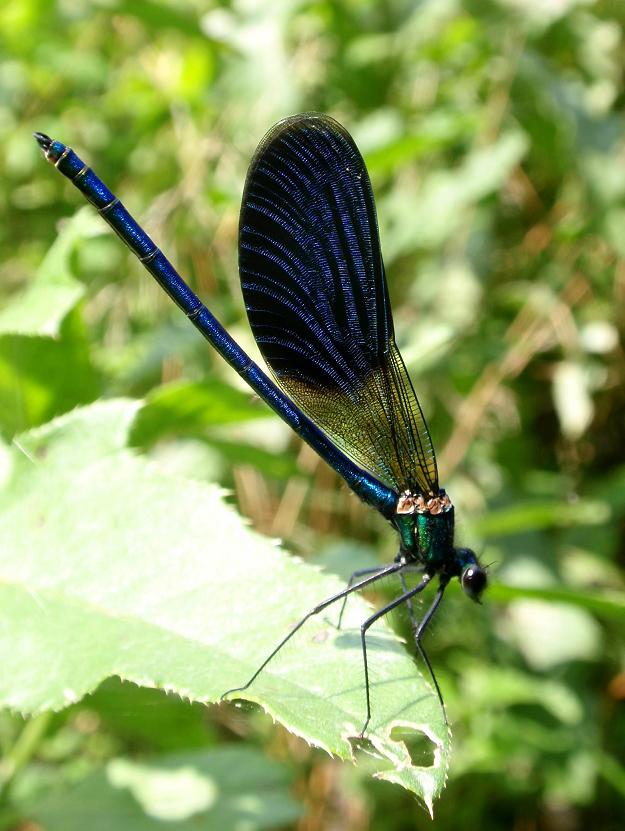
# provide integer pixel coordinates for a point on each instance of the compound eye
(474, 581)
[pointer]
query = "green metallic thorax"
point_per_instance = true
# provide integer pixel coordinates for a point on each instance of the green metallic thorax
(428, 539)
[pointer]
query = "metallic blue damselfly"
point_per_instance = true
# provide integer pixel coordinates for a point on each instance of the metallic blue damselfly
(315, 291)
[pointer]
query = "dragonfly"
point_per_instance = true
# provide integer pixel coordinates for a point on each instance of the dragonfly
(315, 291)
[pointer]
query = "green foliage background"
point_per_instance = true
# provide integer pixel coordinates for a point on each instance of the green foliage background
(493, 133)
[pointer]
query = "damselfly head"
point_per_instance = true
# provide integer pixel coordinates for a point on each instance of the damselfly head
(473, 577)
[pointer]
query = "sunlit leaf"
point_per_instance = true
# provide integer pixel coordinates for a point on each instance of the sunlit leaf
(41, 377)
(572, 398)
(41, 307)
(533, 516)
(109, 567)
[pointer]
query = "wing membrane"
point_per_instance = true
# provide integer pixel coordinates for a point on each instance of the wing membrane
(315, 292)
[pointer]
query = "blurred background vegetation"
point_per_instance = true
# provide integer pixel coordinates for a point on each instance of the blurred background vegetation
(493, 133)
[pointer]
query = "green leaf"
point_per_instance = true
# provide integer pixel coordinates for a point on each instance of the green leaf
(552, 634)
(613, 772)
(446, 197)
(188, 408)
(227, 788)
(503, 686)
(41, 377)
(41, 307)
(538, 515)
(109, 567)
(609, 605)
(149, 716)
(280, 466)
(162, 16)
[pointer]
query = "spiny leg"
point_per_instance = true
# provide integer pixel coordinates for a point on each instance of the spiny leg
(360, 573)
(391, 569)
(370, 621)
(418, 633)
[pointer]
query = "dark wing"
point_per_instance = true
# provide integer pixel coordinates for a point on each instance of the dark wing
(316, 297)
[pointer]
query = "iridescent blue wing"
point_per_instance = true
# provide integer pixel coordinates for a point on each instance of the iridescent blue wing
(317, 301)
